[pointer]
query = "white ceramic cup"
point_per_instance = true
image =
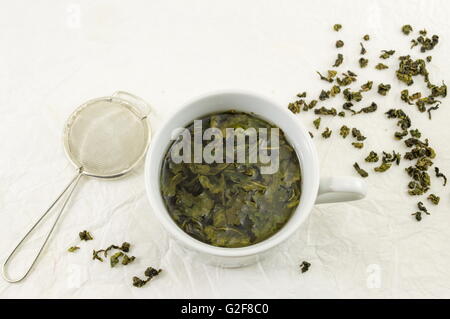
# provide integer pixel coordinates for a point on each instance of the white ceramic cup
(314, 189)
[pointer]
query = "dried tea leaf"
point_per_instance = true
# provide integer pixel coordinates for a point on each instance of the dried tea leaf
(295, 107)
(312, 104)
(327, 133)
(339, 44)
(304, 266)
(372, 157)
(347, 79)
(360, 171)
(137, 282)
(344, 131)
(114, 259)
(316, 123)
(348, 106)
(337, 27)
(366, 37)
(383, 167)
(301, 95)
(349, 95)
(367, 86)
(417, 216)
(85, 235)
(383, 89)
(439, 174)
(407, 29)
(73, 249)
(426, 43)
(415, 133)
(95, 254)
(324, 95)
(437, 91)
(125, 247)
(422, 208)
(386, 54)
(358, 145)
(127, 260)
(434, 199)
(363, 62)
(330, 78)
(424, 163)
(368, 109)
(357, 134)
(339, 60)
(432, 108)
(408, 68)
(363, 49)
(391, 158)
(150, 273)
(324, 111)
(335, 90)
(381, 66)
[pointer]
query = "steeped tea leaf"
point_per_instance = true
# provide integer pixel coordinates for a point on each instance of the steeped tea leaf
(233, 204)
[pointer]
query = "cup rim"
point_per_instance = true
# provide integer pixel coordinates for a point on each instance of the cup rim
(306, 205)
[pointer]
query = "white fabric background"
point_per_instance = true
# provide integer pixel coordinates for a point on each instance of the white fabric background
(52, 60)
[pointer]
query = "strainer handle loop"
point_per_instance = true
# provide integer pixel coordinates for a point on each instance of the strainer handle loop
(147, 109)
(73, 182)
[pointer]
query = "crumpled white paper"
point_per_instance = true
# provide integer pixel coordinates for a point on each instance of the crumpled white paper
(55, 56)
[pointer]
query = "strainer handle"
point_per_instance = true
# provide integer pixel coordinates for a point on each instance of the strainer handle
(73, 182)
(143, 105)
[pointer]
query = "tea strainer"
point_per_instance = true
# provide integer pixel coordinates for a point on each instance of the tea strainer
(104, 138)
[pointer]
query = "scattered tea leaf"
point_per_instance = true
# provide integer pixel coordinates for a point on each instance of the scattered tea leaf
(150, 273)
(327, 133)
(434, 199)
(439, 174)
(324, 111)
(304, 266)
(127, 259)
(114, 259)
(316, 123)
(344, 131)
(407, 29)
(85, 235)
(381, 66)
(372, 157)
(95, 254)
(363, 62)
(432, 108)
(360, 171)
(73, 249)
(363, 49)
(357, 134)
(339, 60)
(383, 167)
(386, 54)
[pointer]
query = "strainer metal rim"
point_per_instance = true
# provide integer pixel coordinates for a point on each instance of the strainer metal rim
(132, 108)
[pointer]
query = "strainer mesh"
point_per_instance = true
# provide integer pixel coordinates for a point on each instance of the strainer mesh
(106, 137)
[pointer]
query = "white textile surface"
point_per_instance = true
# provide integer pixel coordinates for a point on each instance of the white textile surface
(54, 55)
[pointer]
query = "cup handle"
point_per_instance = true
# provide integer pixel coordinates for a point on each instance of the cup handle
(340, 189)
